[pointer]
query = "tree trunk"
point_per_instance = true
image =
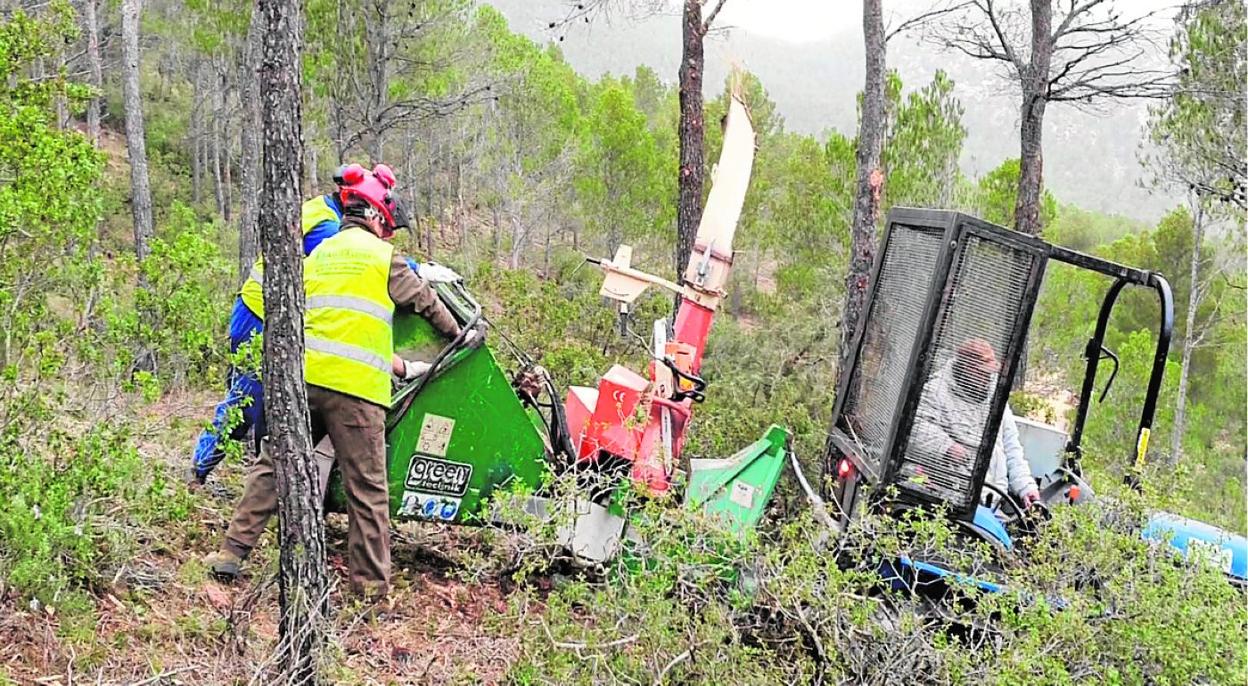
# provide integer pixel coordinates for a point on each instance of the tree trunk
(496, 229)
(227, 164)
(94, 66)
(59, 103)
(378, 63)
(140, 187)
(1189, 333)
(197, 137)
(1031, 120)
(1031, 165)
(1035, 84)
(303, 585)
(519, 234)
(218, 190)
(689, 200)
(248, 230)
(201, 163)
(869, 175)
(313, 180)
(546, 251)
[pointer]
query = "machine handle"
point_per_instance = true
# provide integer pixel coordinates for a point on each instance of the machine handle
(1107, 354)
(696, 394)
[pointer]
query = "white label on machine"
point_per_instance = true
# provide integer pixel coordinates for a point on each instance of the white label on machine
(743, 494)
(429, 506)
(431, 475)
(435, 435)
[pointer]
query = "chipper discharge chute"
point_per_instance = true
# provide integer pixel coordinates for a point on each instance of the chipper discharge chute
(466, 429)
(947, 288)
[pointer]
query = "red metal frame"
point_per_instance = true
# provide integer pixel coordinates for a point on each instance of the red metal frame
(626, 416)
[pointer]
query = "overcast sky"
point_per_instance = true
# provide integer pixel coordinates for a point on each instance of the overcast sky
(794, 20)
(804, 21)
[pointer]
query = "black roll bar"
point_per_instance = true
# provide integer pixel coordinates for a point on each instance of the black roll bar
(1092, 353)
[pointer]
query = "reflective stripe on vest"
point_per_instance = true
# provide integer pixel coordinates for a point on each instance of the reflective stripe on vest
(350, 302)
(350, 352)
(313, 212)
(348, 322)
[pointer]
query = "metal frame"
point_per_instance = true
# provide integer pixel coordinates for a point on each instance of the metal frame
(956, 227)
(1123, 276)
(838, 441)
(961, 226)
(931, 219)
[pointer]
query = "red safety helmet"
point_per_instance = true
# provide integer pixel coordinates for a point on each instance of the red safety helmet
(376, 189)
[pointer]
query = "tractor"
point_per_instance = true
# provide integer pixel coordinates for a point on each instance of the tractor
(941, 279)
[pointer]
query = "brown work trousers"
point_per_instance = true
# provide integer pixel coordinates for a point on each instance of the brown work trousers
(357, 430)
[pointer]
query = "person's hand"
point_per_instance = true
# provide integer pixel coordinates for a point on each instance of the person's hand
(438, 273)
(414, 368)
(1030, 497)
(474, 337)
(957, 451)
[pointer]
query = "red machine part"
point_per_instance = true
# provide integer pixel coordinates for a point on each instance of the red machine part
(624, 415)
(635, 418)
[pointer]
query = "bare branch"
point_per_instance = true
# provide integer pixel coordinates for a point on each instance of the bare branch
(710, 18)
(1075, 11)
(1094, 50)
(587, 11)
(977, 50)
(925, 18)
(1006, 48)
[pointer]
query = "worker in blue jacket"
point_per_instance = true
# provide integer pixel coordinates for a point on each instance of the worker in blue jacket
(321, 217)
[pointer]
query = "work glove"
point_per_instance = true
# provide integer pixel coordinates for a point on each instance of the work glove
(475, 336)
(438, 273)
(414, 368)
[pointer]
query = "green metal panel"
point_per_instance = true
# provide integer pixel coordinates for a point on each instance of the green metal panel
(463, 436)
(738, 489)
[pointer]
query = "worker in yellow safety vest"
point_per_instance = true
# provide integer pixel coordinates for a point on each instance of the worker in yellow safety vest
(320, 218)
(354, 282)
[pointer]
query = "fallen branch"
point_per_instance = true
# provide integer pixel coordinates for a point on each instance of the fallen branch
(675, 661)
(157, 677)
(578, 646)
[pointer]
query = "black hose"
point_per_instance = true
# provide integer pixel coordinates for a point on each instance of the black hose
(443, 355)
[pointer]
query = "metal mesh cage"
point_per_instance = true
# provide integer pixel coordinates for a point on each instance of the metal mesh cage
(892, 321)
(987, 293)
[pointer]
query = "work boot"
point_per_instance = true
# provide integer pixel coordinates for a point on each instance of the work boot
(224, 565)
(192, 480)
(375, 598)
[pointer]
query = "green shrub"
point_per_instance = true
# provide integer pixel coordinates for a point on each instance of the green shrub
(1032, 406)
(76, 500)
(1086, 601)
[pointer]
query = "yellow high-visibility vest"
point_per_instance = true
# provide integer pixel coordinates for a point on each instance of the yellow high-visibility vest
(347, 329)
(314, 212)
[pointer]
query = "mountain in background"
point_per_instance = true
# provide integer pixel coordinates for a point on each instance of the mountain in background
(1091, 160)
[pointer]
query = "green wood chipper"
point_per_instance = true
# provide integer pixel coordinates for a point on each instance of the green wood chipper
(476, 425)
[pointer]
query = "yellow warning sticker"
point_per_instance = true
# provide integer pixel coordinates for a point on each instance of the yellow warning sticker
(1141, 447)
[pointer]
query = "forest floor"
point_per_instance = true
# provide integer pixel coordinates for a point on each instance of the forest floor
(162, 619)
